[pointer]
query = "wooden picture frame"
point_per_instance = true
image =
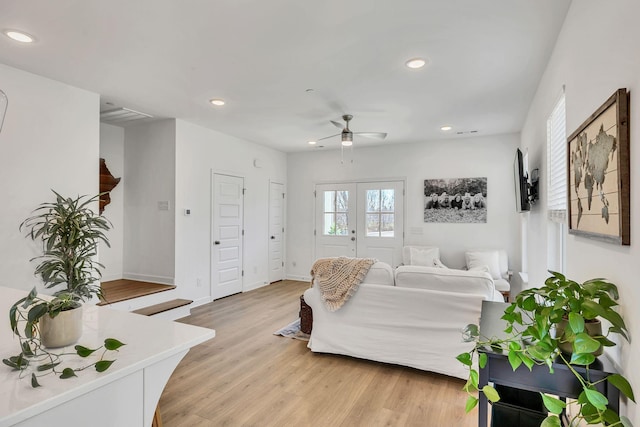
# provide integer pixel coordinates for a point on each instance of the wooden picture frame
(598, 173)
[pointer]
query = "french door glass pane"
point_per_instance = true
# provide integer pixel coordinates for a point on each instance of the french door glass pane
(387, 226)
(388, 200)
(336, 204)
(380, 219)
(342, 201)
(341, 224)
(373, 225)
(373, 200)
(329, 201)
(329, 224)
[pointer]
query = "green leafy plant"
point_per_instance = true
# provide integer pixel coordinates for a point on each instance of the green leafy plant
(70, 232)
(24, 318)
(532, 325)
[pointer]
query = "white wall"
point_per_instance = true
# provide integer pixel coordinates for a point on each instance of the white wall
(596, 53)
(49, 141)
(149, 167)
(112, 150)
(490, 157)
(199, 152)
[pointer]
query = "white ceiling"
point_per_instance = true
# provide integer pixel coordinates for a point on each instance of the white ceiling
(169, 57)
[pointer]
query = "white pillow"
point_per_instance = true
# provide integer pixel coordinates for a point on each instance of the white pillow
(424, 256)
(439, 264)
(483, 268)
(489, 259)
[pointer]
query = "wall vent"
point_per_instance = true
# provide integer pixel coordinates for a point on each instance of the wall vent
(119, 115)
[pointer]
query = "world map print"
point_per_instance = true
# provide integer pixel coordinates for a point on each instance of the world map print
(590, 164)
(593, 179)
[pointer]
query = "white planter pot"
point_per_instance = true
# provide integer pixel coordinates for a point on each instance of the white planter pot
(63, 330)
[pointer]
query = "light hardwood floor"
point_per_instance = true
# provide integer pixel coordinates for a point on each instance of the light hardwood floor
(246, 376)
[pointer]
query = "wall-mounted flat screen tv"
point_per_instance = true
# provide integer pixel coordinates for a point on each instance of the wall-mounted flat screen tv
(520, 181)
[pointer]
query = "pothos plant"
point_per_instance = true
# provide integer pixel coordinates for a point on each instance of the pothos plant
(34, 358)
(532, 325)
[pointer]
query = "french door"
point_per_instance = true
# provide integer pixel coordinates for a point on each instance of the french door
(364, 220)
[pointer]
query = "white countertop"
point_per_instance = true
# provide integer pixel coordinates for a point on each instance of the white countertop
(148, 341)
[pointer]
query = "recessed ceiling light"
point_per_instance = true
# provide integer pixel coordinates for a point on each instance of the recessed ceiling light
(312, 142)
(446, 128)
(19, 36)
(217, 102)
(415, 63)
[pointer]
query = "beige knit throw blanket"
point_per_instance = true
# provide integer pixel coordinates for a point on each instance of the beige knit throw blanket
(338, 278)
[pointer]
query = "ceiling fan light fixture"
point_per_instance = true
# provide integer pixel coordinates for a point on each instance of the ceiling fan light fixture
(347, 138)
(312, 142)
(446, 128)
(416, 63)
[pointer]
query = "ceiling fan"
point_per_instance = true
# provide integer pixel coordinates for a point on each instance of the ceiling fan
(347, 135)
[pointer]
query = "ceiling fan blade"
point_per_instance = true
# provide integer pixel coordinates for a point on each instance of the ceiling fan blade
(337, 124)
(327, 137)
(377, 135)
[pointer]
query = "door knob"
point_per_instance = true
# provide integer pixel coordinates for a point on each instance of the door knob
(217, 242)
(273, 237)
(353, 239)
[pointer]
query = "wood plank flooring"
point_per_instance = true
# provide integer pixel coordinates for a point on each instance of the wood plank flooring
(246, 376)
(124, 289)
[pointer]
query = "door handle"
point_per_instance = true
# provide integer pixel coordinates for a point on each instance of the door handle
(353, 239)
(217, 242)
(273, 237)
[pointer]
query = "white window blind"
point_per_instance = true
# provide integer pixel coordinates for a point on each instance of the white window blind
(557, 163)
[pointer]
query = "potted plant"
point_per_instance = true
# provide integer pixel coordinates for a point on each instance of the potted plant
(70, 232)
(28, 317)
(552, 323)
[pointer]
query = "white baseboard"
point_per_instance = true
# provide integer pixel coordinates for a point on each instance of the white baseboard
(301, 278)
(148, 278)
(252, 286)
(110, 278)
(200, 301)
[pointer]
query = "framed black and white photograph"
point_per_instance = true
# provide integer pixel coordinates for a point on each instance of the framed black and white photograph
(455, 200)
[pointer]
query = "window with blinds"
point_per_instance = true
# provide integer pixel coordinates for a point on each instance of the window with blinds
(557, 163)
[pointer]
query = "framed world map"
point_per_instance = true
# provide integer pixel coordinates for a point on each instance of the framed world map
(598, 162)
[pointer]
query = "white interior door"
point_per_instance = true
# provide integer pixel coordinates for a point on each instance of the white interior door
(227, 230)
(380, 228)
(335, 220)
(363, 220)
(276, 230)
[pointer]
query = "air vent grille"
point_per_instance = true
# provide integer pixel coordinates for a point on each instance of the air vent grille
(119, 115)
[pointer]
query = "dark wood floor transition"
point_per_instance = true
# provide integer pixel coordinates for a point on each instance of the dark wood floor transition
(246, 376)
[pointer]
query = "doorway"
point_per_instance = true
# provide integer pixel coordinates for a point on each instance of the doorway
(276, 231)
(227, 195)
(361, 219)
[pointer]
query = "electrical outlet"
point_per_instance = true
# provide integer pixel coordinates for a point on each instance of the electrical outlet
(199, 282)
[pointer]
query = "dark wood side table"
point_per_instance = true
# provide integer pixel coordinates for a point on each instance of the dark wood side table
(561, 383)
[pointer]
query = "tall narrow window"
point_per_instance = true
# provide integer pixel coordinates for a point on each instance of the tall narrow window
(557, 185)
(380, 213)
(335, 212)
